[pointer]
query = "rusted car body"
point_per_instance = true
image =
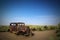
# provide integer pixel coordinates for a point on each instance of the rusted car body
(19, 27)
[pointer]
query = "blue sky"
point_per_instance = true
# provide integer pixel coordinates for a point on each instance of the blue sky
(31, 12)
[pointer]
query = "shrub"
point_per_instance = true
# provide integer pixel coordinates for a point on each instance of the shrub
(52, 28)
(40, 29)
(45, 27)
(3, 28)
(58, 32)
(58, 35)
(33, 29)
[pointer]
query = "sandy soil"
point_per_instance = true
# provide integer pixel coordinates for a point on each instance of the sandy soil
(39, 35)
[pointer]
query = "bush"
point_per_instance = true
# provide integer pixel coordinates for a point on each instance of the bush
(58, 32)
(4, 28)
(33, 29)
(58, 35)
(40, 29)
(52, 28)
(45, 27)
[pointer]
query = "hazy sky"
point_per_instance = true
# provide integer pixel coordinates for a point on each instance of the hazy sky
(31, 12)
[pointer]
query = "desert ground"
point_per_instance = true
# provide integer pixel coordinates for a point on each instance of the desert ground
(39, 35)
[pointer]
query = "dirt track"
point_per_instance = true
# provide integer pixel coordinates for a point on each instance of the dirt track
(39, 35)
